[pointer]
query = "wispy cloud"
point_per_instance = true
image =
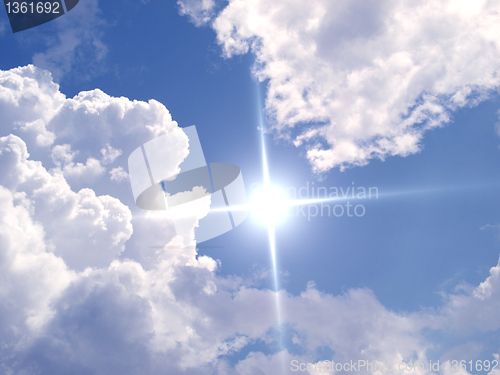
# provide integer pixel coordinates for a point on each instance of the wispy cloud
(77, 46)
(200, 12)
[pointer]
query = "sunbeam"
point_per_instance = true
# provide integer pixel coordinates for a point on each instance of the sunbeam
(270, 226)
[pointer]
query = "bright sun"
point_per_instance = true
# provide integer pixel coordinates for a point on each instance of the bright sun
(269, 205)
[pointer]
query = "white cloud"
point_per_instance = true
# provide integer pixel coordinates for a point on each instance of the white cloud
(118, 174)
(81, 228)
(77, 45)
(31, 277)
(175, 313)
(109, 154)
(200, 12)
(259, 363)
(362, 326)
(28, 100)
(100, 130)
(144, 307)
(355, 80)
(91, 168)
(63, 156)
(43, 136)
(110, 121)
(463, 310)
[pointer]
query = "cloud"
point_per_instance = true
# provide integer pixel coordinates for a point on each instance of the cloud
(364, 329)
(81, 228)
(77, 45)
(118, 174)
(89, 133)
(28, 100)
(463, 309)
(62, 156)
(86, 130)
(85, 287)
(200, 12)
(109, 154)
(354, 80)
(37, 127)
(31, 276)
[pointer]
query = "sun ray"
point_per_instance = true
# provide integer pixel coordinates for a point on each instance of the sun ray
(394, 194)
(270, 228)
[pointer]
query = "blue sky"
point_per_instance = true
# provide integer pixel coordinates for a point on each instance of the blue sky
(346, 102)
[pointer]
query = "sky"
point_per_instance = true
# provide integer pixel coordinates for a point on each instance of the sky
(400, 99)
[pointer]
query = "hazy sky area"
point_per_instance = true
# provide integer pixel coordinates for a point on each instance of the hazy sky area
(391, 107)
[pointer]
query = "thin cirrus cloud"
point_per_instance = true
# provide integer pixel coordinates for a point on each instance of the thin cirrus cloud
(351, 81)
(73, 298)
(75, 45)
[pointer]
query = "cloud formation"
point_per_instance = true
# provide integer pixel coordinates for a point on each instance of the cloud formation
(83, 291)
(355, 80)
(200, 12)
(77, 44)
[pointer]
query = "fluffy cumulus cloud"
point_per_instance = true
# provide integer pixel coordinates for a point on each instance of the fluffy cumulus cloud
(463, 309)
(86, 288)
(355, 80)
(31, 275)
(81, 228)
(86, 135)
(28, 99)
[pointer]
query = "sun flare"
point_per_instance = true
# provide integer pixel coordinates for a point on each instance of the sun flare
(269, 205)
